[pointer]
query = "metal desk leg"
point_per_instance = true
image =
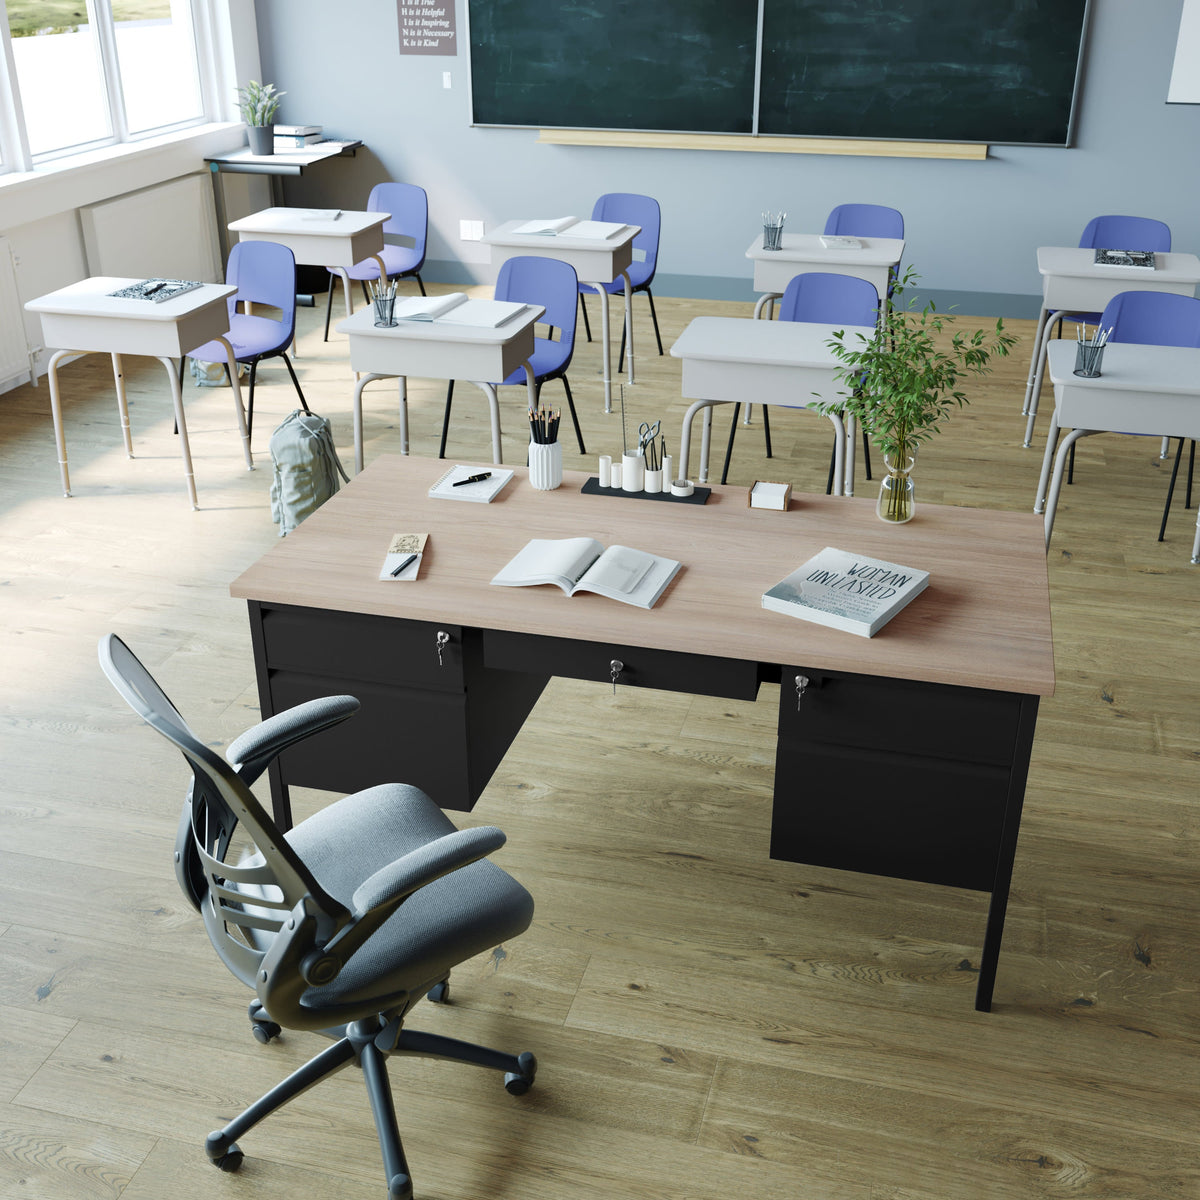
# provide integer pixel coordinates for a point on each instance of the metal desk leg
(60, 438)
(122, 403)
(1043, 313)
(1039, 501)
(605, 354)
(1060, 462)
(1036, 382)
(628, 323)
(171, 365)
(686, 439)
(494, 407)
(849, 438)
(843, 437)
(1196, 542)
(239, 407)
(766, 300)
(358, 417)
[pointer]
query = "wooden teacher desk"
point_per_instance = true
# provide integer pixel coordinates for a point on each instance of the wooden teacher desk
(903, 755)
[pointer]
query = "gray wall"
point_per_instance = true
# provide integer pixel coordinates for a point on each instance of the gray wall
(972, 227)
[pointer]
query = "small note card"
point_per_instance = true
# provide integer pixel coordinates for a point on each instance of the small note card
(403, 559)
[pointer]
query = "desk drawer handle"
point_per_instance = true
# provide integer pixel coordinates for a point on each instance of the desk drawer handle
(443, 640)
(614, 669)
(802, 682)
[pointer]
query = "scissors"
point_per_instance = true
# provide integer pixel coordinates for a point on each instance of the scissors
(647, 433)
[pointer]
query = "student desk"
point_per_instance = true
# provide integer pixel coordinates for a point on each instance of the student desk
(438, 350)
(1152, 390)
(597, 261)
(902, 755)
(1073, 283)
(84, 318)
(730, 360)
(803, 252)
(320, 242)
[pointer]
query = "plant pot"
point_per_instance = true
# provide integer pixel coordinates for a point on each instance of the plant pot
(261, 138)
(896, 493)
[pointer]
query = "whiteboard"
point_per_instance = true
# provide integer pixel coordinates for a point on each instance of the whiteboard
(1185, 74)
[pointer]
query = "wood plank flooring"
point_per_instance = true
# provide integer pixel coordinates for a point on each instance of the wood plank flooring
(708, 1022)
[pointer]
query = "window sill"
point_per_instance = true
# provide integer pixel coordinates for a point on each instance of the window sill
(69, 183)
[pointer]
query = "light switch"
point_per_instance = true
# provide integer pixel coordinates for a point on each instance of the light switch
(446, 79)
(470, 231)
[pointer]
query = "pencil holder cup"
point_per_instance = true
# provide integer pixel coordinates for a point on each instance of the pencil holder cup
(1087, 359)
(384, 307)
(773, 236)
(654, 481)
(545, 465)
(633, 470)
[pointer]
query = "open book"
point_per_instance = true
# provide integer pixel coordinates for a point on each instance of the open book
(583, 565)
(572, 227)
(458, 309)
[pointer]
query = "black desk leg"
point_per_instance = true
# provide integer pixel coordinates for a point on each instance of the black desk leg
(1006, 852)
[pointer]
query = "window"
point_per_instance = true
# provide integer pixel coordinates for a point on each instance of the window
(86, 73)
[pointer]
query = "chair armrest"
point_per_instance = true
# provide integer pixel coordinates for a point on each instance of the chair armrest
(252, 752)
(418, 867)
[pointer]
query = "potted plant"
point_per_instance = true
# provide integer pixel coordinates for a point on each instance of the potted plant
(904, 381)
(258, 103)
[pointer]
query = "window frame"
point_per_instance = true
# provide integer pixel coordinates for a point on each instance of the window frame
(211, 71)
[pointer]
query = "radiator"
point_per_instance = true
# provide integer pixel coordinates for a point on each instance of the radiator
(15, 363)
(168, 230)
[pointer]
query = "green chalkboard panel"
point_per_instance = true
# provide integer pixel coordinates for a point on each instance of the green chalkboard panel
(970, 70)
(913, 70)
(615, 64)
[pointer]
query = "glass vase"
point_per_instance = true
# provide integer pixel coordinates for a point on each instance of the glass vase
(896, 493)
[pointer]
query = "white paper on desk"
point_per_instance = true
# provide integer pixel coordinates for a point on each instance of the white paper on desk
(320, 214)
(599, 230)
(547, 226)
(427, 308)
(483, 314)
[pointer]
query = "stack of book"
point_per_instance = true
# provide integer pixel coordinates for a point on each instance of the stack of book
(296, 137)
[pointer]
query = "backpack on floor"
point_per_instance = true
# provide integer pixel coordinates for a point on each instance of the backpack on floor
(306, 469)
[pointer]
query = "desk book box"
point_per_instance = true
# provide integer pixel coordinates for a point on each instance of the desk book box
(845, 591)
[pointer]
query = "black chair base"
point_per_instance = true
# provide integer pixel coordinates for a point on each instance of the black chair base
(1187, 501)
(570, 406)
(587, 328)
(370, 1043)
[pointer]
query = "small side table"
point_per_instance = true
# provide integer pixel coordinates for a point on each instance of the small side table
(85, 318)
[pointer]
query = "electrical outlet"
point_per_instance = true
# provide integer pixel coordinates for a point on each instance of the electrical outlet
(470, 231)
(446, 79)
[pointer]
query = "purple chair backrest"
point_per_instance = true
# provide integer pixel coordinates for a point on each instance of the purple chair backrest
(830, 300)
(546, 281)
(1153, 319)
(1126, 233)
(629, 208)
(409, 208)
(264, 273)
(865, 220)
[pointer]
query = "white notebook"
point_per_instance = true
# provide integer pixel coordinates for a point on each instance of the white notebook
(484, 483)
(547, 226)
(458, 309)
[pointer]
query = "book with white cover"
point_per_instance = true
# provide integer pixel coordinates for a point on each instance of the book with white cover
(480, 484)
(548, 226)
(601, 231)
(1138, 260)
(852, 592)
(832, 242)
(584, 565)
(458, 308)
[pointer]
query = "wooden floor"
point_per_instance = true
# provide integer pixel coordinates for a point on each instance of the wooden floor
(709, 1023)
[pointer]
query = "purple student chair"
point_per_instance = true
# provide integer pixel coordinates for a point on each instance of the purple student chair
(826, 299)
(409, 221)
(264, 273)
(865, 220)
(554, 286)
(628, 208)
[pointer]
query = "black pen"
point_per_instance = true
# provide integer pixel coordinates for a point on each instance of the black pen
(403, 566)
(472, 479)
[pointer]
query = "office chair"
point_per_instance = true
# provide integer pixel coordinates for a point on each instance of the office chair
(1152, 319)
(827, 299)
(628, 208)
(409, 207)
(554, 286)
(265, 273)
(342, 924)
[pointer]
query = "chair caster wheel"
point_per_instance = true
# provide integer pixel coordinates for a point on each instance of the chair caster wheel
(439, 993)
(517, 1084)
(223, 1152)
(264, 1031)
(400, 1187)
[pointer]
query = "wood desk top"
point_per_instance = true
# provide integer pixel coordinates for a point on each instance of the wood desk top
(984, 620)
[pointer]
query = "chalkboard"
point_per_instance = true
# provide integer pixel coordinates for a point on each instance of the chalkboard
(970, 70)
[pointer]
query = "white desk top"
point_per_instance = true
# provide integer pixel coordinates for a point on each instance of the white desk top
(1132, 367)
(504, 235)
(806, 247)
(362, 324)
(770, 343)
(296, 221)
(90, 297)
(1080, 260)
